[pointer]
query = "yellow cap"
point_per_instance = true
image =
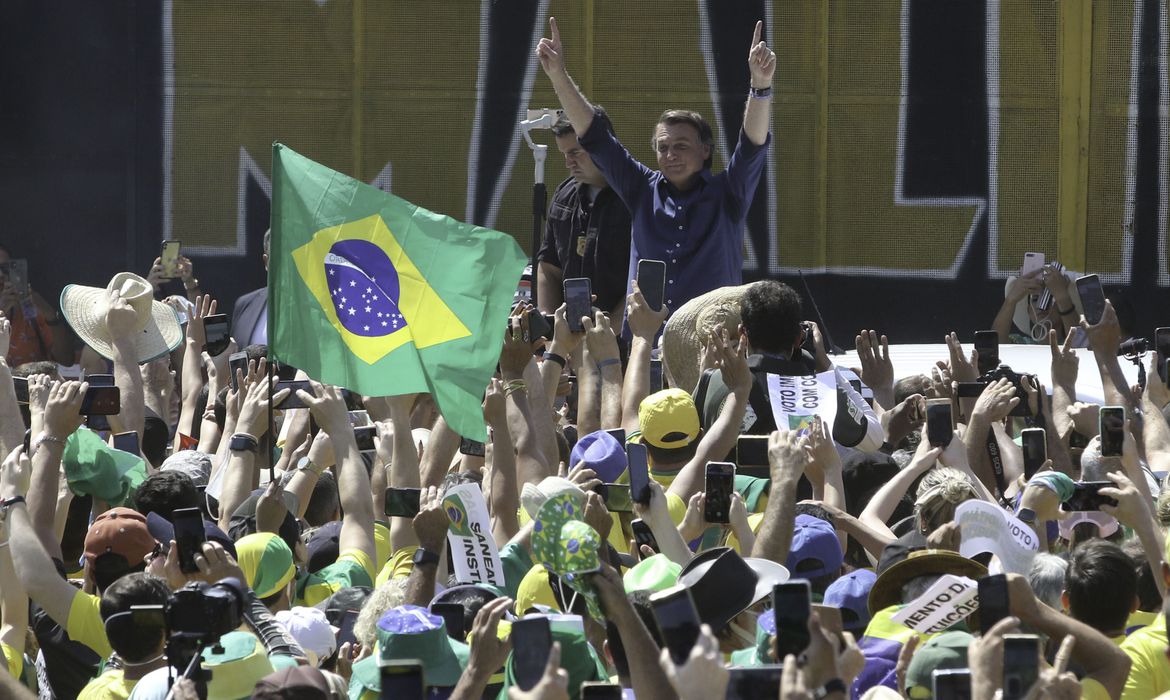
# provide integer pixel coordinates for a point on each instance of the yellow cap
(668, 419)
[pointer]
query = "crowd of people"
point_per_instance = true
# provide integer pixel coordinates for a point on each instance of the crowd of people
(210, 531)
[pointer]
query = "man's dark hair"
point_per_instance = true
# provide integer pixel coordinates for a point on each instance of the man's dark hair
(771, 313)
(1101, 584)
(673, 455)
(133, 642)
(906, 387)
(686, 116)
(563, 127)
(324, 500)
(109, 567)
(164, 492)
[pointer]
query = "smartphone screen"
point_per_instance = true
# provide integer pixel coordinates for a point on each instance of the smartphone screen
(1092, 298)
(531, 642)
(364, 437)
(639, 469)
(127, 442)
(987, 345)
(1112, 427)
(1162, 345)
(217, 330)
(1021, 664)
(751, 451)
(791, 604)
(579, 300)
(652, 282)
(617, 498)
(655, 376)
(101, 401)
(755, 682)
(189, 537)
(452, 614)
(593, 690)
(993, 600)
(402, 680)
(952, 684)
(402, 503)
(237, 361)
(170, 258)
(643, 535)
(292, 400)
(939, 427)
(1086, 496)
(1035, 447)
(20, 386)
(677, 621)
(471, 448)
(618, 434)
(720, 483)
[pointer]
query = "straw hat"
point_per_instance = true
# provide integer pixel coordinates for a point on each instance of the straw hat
(156, 327)
(687, 330)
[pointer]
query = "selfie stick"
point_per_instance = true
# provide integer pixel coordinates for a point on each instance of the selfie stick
(537, 119)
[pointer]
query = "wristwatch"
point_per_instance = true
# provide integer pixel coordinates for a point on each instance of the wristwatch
(1026, 515)
(305, 464)
(243, 442)
(425, 556)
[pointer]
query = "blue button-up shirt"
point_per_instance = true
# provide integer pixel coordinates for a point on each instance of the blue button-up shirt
(699, 233)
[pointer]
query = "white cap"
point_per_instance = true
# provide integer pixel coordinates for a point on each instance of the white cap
(311, 629)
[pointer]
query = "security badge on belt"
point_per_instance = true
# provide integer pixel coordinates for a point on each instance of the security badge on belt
(581, 246)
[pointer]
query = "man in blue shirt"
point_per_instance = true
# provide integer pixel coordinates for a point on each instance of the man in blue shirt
(681, 213)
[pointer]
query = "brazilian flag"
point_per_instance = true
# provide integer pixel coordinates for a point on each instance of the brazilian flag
(372, 293)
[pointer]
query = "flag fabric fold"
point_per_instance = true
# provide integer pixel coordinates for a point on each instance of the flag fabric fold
(372, 293)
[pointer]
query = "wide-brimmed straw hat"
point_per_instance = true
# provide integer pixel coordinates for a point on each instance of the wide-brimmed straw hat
(156, 326)
(686, 332)
(887, 589)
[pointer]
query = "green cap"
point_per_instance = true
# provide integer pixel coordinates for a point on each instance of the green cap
(243, 662)
(93, 468)
(578, 658)
(940, 652)
(656, 573)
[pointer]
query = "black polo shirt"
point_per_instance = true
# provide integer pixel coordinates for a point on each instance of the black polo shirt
(589, 237)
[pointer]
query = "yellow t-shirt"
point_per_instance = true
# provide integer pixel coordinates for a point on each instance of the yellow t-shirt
(352, 568)
(1149, 674)
(15, 660)
(85, 623)
(399, 565)
(1092, 690)
(111, 685)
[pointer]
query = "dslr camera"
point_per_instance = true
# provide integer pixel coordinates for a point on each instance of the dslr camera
(1017, 380)
(204, 612)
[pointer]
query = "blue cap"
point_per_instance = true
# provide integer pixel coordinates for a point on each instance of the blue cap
(602, 453)
(815, 550)
(850, 593)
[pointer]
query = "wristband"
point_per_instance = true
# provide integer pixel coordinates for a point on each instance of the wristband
(552, 356)
(611, 361)
(9, 502)
(243, 442)
(760, 93)
(515, 385)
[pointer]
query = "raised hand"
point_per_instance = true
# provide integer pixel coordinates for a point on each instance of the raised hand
(204, 307)
(644, 322)
(5, 335)
(761, 59)
(120, 317)
(599, 338)
(962, 369)
(550, 52)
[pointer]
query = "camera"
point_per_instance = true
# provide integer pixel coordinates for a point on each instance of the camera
(1133, 347)
(205, 612)
(1016, 379)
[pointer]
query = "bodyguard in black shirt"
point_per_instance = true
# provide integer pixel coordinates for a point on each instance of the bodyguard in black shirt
(587, 234)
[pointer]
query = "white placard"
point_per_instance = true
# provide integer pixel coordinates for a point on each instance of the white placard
(795, 400)
(469, 535)
(985, 527)
(945, 603)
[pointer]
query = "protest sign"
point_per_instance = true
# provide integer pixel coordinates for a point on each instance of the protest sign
(795, 400)
(985, 527)
(469, 535)
(944, 604)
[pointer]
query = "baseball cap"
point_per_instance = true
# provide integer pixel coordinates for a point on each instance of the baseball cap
(193, 463)
(296, 683)
(602, 453)
(120, 531)
(656, 573)
(311, 629)
(668, 419)
(236, 663)
(324, 545)
(940, 652)
(267, 563)
(815, 550)
(850, 593)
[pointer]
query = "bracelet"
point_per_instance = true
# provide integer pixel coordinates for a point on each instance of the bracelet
(760, 93)
(1069, 310)
(42, 439)
(556, 358)
(9, 502)
(515, 385)
(606, 363)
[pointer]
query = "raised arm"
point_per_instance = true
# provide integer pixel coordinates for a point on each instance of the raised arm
(644, 324)
(531, 465)
(552, 59)
(1155, 430)
(240, 477)
(787, 457)
(1104, 338)
(603, 350)
(61, 419)
(353, 482)
(191, 377)
(120, 320)
(503, 488)
(757, 115)
(881, 506)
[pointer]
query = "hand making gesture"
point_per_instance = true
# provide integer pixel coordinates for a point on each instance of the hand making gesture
(761, 59)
